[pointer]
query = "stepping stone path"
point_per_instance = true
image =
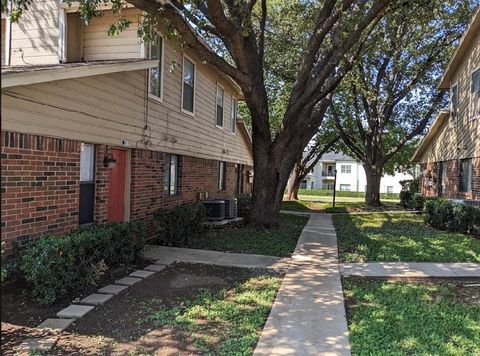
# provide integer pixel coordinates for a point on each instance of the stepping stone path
(141, 274)
(83, 307)
(56, 324)
(154, 268)
(96, 299)
(128, 281)
(114, 289)
(75, 311)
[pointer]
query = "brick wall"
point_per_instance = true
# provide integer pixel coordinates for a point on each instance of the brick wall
(196, 177)
(39, 187)
(431, 172)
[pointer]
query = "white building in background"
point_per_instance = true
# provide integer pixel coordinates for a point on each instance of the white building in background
(350, 175)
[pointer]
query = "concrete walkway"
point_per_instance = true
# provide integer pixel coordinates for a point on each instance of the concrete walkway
(410, 269)
(308, 316)
(306, 213)
(168, 255)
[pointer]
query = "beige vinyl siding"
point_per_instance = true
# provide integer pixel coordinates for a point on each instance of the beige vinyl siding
(35, 36)
(459, 139)
(98, 45)
(108, 108)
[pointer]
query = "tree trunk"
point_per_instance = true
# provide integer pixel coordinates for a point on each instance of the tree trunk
(374, 176)
(269, 185)
(294, 183)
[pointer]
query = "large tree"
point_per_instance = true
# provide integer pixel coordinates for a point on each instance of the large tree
(239, 32)
(391, 94)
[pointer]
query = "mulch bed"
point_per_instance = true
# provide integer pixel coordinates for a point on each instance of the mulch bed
(115, 328)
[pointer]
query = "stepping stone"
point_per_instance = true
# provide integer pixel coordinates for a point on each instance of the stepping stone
(96, 299)
(128, 281)
(31, 346)
(114, 289)
(75, 311)
(56, 324)
(141, 274)
(154, 268)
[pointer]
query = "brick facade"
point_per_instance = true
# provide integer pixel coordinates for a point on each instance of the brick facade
(40, 185)
(432, 182)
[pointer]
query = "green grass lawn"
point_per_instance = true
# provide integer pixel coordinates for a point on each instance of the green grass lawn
(398, 318)
(277, 241)
(342, 204)
(400, 237)
(228, 322)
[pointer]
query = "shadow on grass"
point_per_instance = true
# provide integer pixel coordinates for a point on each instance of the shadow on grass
(400, 237)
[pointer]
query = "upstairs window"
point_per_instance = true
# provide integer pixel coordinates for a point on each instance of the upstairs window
(475, 94)
(220, 101)
(171, 174)
(346, 169)
(222, 175)
(155, 75)
(234, 114)
(188, 89)
(454, 102)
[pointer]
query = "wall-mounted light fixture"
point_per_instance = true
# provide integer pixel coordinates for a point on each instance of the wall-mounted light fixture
(108, 160)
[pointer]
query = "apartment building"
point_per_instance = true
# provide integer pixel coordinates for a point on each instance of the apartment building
(99, 129)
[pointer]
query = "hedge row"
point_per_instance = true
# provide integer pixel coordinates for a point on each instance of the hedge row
(446, 215)
(59, 265)
(342, 193)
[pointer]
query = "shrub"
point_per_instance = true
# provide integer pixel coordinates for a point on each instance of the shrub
(243, 204)
(410, 198)
(443, 214)
(4, 271)
(59, 265)
(178, 226)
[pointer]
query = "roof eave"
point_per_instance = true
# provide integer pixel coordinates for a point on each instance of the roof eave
(465, 43)
(86, 70)
(439, 120)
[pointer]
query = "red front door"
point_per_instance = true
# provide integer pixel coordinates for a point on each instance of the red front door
(116, 186)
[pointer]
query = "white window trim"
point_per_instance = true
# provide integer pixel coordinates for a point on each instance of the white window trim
(162, 61)
(62, 37)
(233, 130)
(8, 28)
(452, 85)
(191, 113)
(223, 106)
(472, 115)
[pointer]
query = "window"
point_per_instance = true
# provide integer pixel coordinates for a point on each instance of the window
(466, 175)
(87, 183)
(475, 94)
(389, 189)
(346, 168)
(454, 102)
(188, 89)
(220, 101)
(171, 174)
(222, 175)
(345, 187)
(155, 74)
(234, 114)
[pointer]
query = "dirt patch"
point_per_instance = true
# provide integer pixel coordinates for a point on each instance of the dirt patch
(19, 308)
(119, 326)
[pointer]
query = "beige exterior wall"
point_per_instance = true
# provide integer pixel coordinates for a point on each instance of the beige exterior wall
(459, 139)
(106, 109)
(98, 45)
(35, 36)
